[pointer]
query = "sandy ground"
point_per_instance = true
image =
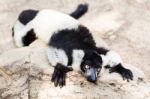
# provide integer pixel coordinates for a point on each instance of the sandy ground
(123, 24)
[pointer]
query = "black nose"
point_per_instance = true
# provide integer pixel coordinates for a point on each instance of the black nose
(91, 79)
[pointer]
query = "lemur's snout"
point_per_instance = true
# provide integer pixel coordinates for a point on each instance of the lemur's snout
(91, 75)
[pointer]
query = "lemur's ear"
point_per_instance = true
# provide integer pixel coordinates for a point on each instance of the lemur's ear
(101, 50)
(96, 53)
(91, 52)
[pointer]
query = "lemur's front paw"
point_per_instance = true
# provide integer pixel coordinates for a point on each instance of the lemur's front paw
(59, 75)
(125, 73)
(58, 78)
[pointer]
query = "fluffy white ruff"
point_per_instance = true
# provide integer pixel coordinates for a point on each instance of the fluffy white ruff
(111, 58)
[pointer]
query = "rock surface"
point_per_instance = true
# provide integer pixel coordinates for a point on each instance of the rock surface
(25, 74)
(124, 26)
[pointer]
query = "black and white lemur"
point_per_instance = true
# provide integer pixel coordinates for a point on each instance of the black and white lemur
(71, 45)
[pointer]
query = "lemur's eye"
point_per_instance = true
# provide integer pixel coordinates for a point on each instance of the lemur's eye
(87, 66)
(98, 70)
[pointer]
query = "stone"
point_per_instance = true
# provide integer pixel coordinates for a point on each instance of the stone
(26, 74)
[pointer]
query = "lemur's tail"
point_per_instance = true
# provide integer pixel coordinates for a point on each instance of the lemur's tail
(80, 11)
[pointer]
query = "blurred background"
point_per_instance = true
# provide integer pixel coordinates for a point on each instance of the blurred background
(123, 24)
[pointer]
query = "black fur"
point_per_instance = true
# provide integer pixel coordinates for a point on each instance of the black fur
(29, 38)
(68, 40)
(101, 50)
(81, 10)
(80, 39)
(59, 75)
(125, 73)
(27, 15)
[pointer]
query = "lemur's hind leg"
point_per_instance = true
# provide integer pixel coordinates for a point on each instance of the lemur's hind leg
(59, 75)
(125, 73)
(80, 11)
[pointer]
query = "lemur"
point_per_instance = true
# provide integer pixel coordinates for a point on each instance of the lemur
(71, 45)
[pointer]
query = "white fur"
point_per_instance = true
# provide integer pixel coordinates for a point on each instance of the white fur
(111, 58)
(45, 24)
(48, 22)
(17, 33)
(57, 56)
(77, 59)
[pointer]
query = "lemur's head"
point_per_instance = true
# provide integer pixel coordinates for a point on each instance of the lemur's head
(91, 65)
